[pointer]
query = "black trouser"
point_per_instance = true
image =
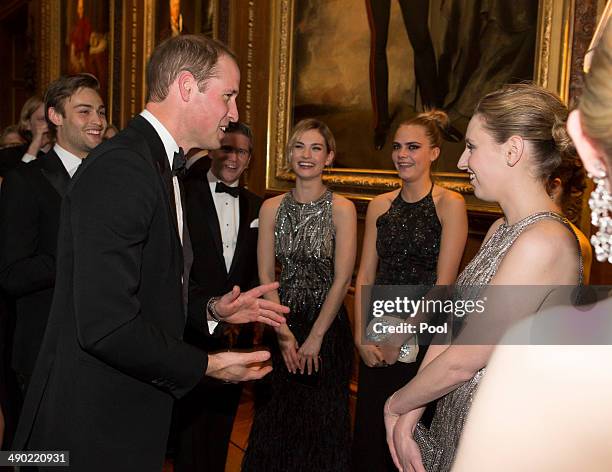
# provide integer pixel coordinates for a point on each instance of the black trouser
(416, 16)
(205, 417)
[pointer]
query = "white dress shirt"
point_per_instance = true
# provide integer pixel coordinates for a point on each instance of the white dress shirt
(70, 162)
(27, 157)
(228, 213)
(171, 147)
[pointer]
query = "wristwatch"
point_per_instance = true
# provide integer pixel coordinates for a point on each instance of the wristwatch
(211, 309)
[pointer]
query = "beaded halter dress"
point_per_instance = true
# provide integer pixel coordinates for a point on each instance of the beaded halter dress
(302, 427)
(439, 444)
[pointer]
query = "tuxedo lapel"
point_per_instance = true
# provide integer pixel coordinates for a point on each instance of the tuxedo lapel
(243, 229)
(158, 152)
(55, 172)
(212, 220)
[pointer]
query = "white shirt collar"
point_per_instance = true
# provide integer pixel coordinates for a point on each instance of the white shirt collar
(169, 143)
(69, 160)
(213, 180)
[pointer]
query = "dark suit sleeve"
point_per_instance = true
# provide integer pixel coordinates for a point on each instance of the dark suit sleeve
(112, 210)
(23, 269)
(196, 310)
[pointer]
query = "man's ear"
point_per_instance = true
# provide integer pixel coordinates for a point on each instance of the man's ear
(55, 116)
(187, 85)
(590, 153)
(513, 150)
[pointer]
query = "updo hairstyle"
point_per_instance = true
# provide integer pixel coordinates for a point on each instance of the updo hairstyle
(434, 122)
(536, 115)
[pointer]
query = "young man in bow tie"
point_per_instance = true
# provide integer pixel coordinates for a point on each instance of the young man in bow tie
(30, 211)
(223, 225)
(113, 358)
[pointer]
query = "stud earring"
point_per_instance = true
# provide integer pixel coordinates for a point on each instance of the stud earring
(600, 203)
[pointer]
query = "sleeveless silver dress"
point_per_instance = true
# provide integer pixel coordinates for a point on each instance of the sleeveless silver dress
(438, 445)
(303, 425)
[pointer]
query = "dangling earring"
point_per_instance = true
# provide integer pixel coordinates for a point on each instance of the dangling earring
(600, 202)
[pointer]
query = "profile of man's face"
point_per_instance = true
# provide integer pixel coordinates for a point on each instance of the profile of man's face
(211, 111)
(229, 162)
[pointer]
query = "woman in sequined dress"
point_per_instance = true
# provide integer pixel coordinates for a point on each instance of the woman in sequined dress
(563, 421)
(515, 139)
(413, 236)
(304, 425)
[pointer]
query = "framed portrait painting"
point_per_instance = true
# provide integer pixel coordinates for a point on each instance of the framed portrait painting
(364, 67)
(86, 40)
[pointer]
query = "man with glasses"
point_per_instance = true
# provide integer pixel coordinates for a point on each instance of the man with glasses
(223, 225)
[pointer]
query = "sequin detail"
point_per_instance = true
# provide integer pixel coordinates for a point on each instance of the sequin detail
(438, 444)
(301, 427)
(304, 247)
(408, 243)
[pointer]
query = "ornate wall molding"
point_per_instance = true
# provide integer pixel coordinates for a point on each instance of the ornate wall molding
(544, 38)
(585, 22)
(249, 65)
(50, 45)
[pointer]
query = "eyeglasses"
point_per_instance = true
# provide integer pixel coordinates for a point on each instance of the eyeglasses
(241, 153)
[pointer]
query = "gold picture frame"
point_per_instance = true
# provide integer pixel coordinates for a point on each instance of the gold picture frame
(52, 45)
(551, 70)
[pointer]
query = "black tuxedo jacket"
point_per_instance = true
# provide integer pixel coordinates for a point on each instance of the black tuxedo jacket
(112, 358)
(30, 202)
(11, 156)
(209, 276)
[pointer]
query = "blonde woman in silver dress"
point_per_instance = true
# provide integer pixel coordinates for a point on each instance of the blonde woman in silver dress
(310, 232)
(556, 413)
(514, 140)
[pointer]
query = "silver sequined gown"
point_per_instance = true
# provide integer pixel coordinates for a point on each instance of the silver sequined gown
(438, 444)
(300, 427)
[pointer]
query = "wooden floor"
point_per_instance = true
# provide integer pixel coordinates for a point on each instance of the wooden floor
(240, 434)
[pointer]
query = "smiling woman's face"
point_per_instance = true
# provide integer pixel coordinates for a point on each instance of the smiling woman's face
(412, 152)
(483, 160)
(309, 154)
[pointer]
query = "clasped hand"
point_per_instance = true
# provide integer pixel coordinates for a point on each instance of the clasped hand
(377, 355)
(402, 446)
(304, 358)
(236, 307)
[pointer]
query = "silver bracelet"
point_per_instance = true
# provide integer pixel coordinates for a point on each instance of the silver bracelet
(211, 309)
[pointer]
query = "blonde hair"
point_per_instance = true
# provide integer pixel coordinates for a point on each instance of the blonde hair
(27, 110)
(596, 99)
(307, 125)
(536, 115)
(434, 122)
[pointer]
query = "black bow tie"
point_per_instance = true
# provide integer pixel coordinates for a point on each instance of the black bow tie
(178, 163)
(222, 188)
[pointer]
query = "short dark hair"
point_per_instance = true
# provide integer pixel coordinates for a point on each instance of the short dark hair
(63, 88)
(243, 129)
(194, 53)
